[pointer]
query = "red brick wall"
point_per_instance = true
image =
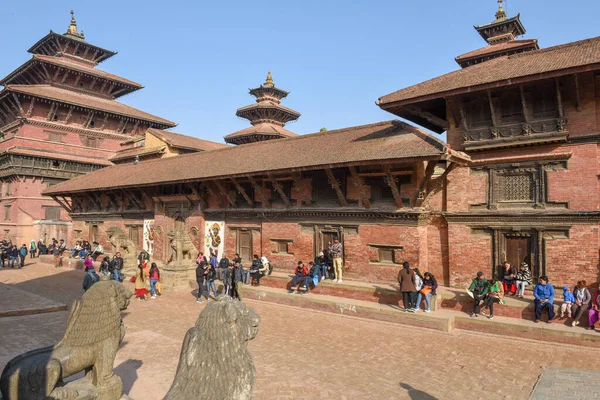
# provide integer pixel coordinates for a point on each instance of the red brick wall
(575, 258)
(465, 187)
(468, 253)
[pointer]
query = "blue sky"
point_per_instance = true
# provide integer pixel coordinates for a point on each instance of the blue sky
(197, 59)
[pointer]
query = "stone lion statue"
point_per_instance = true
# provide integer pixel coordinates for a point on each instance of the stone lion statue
(182, 245)
(121, 242)
(215, 362)
(94, 332)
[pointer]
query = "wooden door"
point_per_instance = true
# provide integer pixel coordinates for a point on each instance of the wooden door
(244, 247)
(518, 250)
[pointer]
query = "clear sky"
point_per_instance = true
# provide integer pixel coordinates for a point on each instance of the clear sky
(197, 59)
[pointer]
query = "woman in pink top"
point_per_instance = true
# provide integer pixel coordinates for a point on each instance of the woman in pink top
(154, 278)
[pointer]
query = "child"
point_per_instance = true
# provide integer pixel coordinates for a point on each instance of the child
(523, 279)
(568, 300)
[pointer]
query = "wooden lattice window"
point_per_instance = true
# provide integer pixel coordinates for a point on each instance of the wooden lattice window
(479, 114)
(386, 255)
(545, 103)
(517, 188)
(281, 246)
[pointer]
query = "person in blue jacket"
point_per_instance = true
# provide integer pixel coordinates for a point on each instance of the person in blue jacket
(544, 299)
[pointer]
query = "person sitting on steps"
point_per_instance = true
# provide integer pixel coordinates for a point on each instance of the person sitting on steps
(544, 299)
(479, 288)
(495, 295)
(299, 277)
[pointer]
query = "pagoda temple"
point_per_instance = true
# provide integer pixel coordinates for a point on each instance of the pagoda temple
(501, 37)
(267, 115)
(59, 119)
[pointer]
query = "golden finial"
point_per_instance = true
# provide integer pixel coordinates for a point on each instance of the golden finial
(73, 27)
(500, 14)
(269, 81)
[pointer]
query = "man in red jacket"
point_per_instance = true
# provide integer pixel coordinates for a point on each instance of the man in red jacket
(299, 276)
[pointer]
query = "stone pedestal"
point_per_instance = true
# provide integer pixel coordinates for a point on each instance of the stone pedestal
(177, 275)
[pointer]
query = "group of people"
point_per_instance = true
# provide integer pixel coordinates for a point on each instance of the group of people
(11, 255)
(415, 287)
(83, 248)
(230, 272)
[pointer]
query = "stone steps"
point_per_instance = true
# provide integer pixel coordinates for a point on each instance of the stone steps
(445, 320)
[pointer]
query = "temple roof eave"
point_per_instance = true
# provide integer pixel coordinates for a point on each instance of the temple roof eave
(53, 35)
(82, 70)
(154, 121)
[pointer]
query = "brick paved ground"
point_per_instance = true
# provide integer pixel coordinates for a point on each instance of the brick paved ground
(303, 354)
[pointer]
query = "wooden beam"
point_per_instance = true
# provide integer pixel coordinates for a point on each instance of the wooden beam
(463, 118)
(134, 199)
(119, 91)
(524, 104)
(30, 108)
(55, 77)
(52, 111)
(452, 107)
(212, 193)
(359, 183)
(279, 190)
(110, 89)
(64, 78)
(104, 121)
(393, 184)
(69, 114)
(94, 81)
(89, 119)
(135, 128)
(77, 79)
(198, 193)
(16, 98)
(559, 98)
(379, 174)
(492, 109)
(225, 193)
(241, 191)
(103, 86)
(336, 186)
(577, 98)
(63, 205)
(437, 121)
(7, 108)
(46, 71)
(422, 192)
(259, 190)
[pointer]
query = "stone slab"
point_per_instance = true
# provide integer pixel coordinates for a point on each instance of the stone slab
(15, 302)
(567, 383)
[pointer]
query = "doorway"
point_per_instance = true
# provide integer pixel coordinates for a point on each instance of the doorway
(324, 236)
(244, 245)
(516, 248)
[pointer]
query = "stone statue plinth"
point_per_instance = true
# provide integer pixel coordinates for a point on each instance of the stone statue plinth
(177, 275)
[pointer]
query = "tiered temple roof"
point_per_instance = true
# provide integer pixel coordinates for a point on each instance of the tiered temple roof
(267, 115)
(500, 35)
(62, 73)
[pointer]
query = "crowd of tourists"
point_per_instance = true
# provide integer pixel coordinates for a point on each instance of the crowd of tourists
(230, 272)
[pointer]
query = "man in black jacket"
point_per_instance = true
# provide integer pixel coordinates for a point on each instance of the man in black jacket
(117, 266)
(201, 271)
(223, 265)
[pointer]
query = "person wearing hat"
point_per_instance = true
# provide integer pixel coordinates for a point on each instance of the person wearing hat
(479, 287)
(320, 261)
(568, 301)
(97, 250)
(523, 279)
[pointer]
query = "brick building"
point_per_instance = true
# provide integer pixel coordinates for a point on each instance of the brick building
(517, 179)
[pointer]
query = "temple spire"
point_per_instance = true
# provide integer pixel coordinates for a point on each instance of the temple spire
(500, 14)
(72, 30)
(269, 81)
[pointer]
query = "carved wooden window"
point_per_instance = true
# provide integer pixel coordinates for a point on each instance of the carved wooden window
(544, 102)
(517, 187)
(134, 234)
(479, 114)
(511, 107)
(52, 213)
(7, 213)
(322, 190)
(385, 253)
(281, 246)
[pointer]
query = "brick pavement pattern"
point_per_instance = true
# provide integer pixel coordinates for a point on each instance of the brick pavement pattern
(302, 354)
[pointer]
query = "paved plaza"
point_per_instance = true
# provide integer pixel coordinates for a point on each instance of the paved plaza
(304, 354)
